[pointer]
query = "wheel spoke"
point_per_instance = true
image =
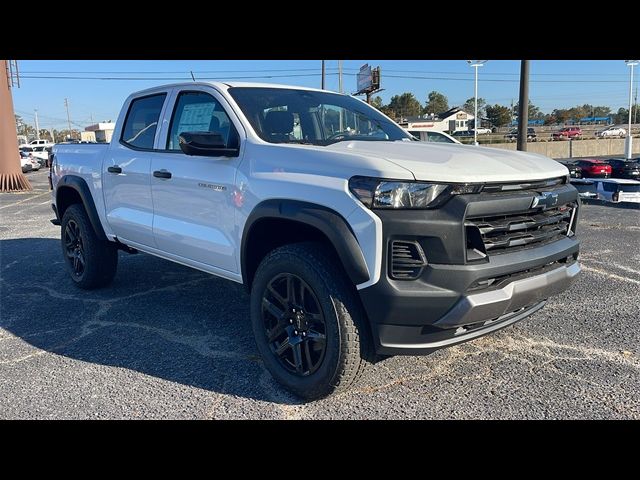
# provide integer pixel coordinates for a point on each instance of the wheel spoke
(81, 259)
(316, 337)
(296, 348)
(276, 331)
(307, 355)
(271, 308)
(277, 296)
(283, 347)
(291, 292)
(75, 264)
(316, 317)
(70, 235)
(302, 289)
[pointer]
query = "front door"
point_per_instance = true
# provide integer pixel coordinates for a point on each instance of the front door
(126, 172)
(194, 213)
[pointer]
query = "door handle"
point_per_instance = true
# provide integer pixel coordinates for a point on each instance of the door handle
(114, 169)
(162, 174)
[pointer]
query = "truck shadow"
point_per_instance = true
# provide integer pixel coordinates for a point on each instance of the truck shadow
(157, 318)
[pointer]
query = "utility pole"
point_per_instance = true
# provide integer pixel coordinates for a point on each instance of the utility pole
(66, 106)
(37, 125)
(53, 136)
(635, 103)
(340, 77)
(523, 106)
(322, 84)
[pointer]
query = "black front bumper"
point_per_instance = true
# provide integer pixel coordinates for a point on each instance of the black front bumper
(451, 300)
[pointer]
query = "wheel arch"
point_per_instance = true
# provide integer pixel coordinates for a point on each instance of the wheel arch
(73, 189)
(311, 219)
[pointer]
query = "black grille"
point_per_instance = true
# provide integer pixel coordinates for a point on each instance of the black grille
(503, 233)
(407, 260)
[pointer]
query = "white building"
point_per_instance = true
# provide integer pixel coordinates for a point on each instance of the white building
(100, 132)
(453, 120)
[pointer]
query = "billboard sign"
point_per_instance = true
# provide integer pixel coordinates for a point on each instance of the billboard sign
(365, 79)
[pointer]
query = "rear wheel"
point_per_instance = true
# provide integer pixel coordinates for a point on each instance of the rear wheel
(307, 321)
(92, 263)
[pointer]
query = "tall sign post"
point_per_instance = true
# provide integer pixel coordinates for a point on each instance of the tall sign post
(368, 81)
(11, 177)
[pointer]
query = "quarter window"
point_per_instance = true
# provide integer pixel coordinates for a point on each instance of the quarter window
(142, 121)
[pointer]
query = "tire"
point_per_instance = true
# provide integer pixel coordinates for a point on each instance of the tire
(327, 367)
(92, 263)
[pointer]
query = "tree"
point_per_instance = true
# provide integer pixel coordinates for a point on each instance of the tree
(498, 115)
(377, 102)
(405, 105)
(470, 106)
(436, 103)
(534, 112)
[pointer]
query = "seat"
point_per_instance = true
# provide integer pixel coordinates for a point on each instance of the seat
(214, 126)
(278, 126)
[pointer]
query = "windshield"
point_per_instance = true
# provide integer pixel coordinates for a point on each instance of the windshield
(282, 115)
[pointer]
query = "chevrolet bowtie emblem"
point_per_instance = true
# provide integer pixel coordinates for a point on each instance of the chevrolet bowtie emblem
(545, 200)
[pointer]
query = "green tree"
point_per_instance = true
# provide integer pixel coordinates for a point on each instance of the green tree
(405, 105)
(470, 106)
(534, 112)
(436, 103)
(498, 115)
(377, 102)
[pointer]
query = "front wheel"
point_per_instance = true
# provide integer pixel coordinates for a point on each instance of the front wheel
(307, 321)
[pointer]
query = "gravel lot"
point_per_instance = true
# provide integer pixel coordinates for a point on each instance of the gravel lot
(165, 341)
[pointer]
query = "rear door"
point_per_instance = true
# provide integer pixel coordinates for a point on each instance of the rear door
(126, 171)
(194, 198)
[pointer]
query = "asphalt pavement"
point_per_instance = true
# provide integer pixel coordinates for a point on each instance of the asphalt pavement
(165, 341)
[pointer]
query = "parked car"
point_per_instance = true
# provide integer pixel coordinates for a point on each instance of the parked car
(622, 168)
(612, 131)
(26, 164)
(594, 168)
(574, 170)
(30, 159)
(586, 188)
(40, 143)
(567, 133)
(617, 190)
(483, 131)
(351, 243)
(462, 133)
(432, 136)
(513, 135)
(42, 154)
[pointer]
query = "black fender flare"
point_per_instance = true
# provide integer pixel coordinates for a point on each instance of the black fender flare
(329, 222)
(80, 186)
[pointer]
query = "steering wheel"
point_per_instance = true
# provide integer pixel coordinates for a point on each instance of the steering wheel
(338, 135)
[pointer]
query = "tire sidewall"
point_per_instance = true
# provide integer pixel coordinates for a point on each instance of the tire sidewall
(323, 378)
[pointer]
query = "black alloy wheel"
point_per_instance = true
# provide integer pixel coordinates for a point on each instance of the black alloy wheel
(74, 247)
(294, 324)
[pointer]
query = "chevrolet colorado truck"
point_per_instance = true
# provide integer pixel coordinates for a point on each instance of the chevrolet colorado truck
(354, 240)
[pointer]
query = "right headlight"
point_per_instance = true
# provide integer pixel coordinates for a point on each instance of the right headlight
(400, 194)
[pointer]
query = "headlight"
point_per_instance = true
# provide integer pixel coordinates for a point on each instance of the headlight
(379, 193)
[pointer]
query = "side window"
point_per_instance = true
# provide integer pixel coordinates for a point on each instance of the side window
(197, 112)
(142, 121)
(609, 187)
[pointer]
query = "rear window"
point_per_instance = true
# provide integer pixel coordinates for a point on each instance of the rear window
(142, 121)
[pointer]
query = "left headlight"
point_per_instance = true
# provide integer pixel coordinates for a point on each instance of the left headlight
(381, 193)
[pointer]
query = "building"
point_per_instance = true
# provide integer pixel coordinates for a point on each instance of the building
(453, 120)
(100, 132)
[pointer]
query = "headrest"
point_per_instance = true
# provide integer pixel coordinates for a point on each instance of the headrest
(278, 122)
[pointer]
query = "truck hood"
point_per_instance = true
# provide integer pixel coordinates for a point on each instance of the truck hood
(458, 163)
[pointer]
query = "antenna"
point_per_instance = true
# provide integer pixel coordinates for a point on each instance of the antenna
(192, 77)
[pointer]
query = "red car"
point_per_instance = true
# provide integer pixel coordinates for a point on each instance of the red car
(566, 133)
(595, 169)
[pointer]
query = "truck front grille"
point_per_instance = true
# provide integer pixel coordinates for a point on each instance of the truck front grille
(506, 233)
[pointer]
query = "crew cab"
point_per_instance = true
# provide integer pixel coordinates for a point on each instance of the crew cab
(352, 237)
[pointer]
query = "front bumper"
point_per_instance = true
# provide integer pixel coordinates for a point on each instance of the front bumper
(450, 302)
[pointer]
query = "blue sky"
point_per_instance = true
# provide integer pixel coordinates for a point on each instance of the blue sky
(554, 83)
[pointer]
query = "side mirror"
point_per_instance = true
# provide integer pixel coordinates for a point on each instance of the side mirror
(207, 144)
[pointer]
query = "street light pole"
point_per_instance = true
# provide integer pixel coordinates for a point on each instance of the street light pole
(476, 64)
(629, 142)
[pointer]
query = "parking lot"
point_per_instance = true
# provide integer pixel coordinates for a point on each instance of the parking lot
(165, 341)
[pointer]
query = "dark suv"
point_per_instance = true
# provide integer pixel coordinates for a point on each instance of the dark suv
(622, 168)
(513, 135)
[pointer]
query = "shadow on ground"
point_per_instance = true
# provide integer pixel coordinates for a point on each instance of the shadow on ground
(158, 318)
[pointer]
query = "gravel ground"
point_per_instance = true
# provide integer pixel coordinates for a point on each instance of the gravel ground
(165, 341)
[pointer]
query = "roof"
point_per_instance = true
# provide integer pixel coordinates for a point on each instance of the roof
(227, 85)
(623, 181)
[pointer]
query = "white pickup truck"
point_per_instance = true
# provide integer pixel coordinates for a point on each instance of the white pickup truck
(353, 239)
